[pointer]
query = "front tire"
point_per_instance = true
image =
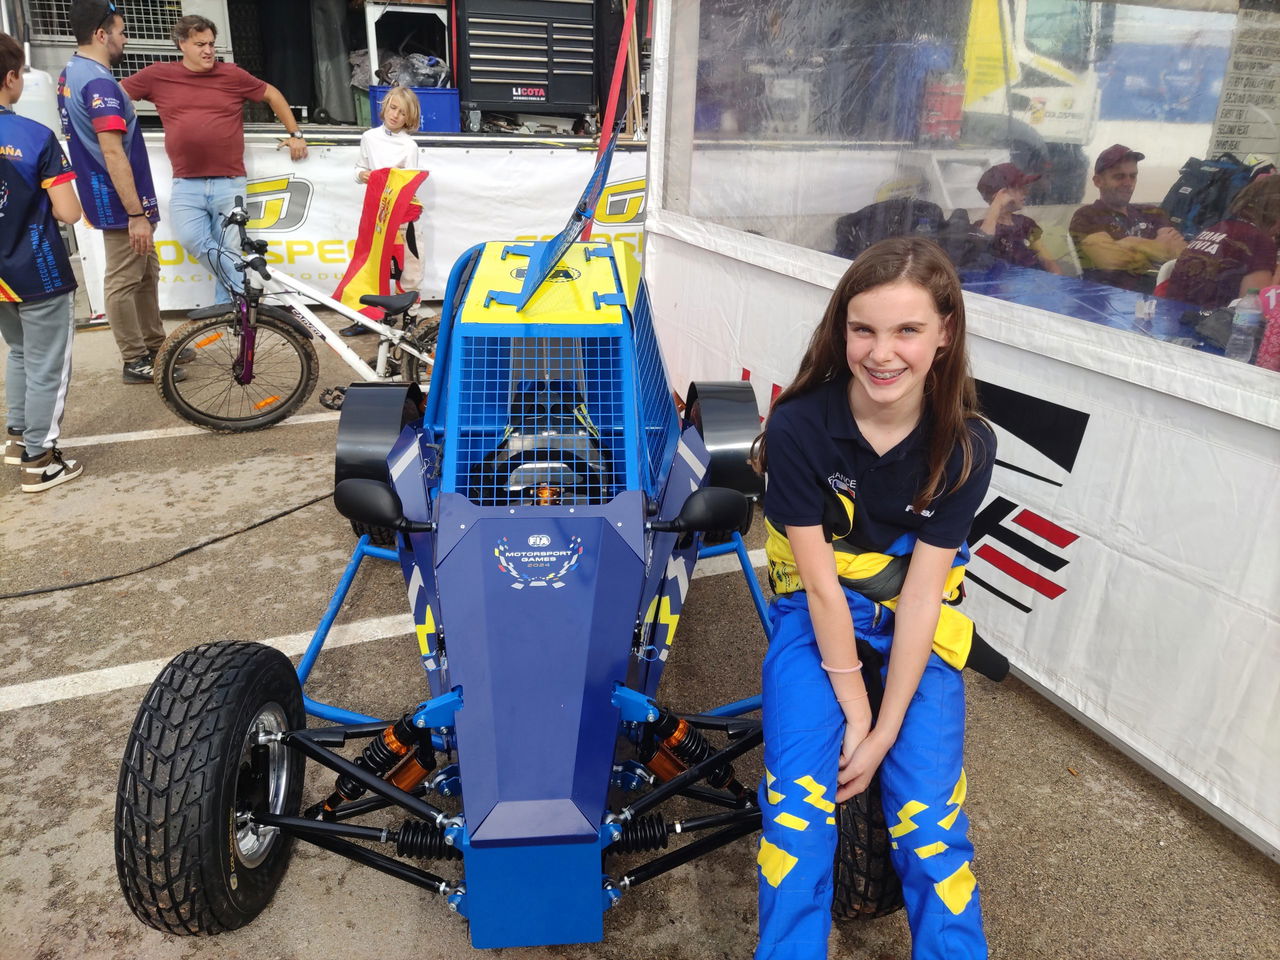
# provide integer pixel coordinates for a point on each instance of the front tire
(285, 369)
(866, 885)
(193, 774)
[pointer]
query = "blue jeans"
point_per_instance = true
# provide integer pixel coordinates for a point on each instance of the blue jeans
(197, 207)
(922, 788)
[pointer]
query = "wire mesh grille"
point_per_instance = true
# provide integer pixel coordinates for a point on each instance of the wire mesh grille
(541, 420)
(144, 19)
(133, 62)
(657, 409)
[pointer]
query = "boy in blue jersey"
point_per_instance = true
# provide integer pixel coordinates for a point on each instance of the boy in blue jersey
(36, 285)
(114, 180)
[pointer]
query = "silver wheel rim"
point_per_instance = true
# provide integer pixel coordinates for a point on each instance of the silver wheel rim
(260, 765)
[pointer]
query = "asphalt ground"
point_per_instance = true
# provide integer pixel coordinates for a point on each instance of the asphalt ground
(1080, 853)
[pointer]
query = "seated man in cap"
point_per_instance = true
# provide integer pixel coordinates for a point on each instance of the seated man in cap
(1013, 237)
(1121, 243)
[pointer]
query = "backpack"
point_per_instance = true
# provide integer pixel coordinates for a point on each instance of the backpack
(898, 217)
(1204, 190)
(903, 216)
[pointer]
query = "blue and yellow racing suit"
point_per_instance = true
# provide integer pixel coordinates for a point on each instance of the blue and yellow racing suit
(922, 779)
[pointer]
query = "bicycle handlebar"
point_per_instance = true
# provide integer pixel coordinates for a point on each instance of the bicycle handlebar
(238, 217)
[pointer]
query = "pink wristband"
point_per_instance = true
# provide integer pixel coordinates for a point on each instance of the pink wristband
(854, 669)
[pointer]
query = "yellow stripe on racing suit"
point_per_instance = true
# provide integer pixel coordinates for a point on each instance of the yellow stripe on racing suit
(879, 577)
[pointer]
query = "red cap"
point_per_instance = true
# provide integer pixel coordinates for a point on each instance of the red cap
(1116, 153)
(1003, 175)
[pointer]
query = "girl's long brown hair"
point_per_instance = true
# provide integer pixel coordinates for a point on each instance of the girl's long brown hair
(1259, 203)
(949, 395)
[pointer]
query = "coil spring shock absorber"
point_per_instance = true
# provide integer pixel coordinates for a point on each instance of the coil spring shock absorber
(383, 752)
(675, 745)
(419, 838)
(644, 833)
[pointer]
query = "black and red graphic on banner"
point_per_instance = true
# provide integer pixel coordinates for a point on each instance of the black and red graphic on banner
(1056, 433)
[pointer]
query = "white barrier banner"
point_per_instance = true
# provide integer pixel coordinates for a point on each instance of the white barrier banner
(308, 211)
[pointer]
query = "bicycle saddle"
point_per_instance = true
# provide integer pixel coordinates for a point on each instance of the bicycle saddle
(395, 303)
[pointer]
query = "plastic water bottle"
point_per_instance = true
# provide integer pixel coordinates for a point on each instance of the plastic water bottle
(40, 101)
(1246, 327)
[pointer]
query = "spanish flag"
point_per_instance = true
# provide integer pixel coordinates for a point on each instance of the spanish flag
(388, 204)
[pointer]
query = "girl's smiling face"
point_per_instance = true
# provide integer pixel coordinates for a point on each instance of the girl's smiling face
(892, 334)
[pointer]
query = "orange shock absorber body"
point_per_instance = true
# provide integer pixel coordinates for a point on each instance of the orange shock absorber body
(677, 745)
(383, 752)
(414, 769)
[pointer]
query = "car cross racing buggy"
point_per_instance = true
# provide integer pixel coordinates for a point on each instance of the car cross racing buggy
(549, 504)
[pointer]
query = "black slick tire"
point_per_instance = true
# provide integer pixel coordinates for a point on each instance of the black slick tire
(188, 861)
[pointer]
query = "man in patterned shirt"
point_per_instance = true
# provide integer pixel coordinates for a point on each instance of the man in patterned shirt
(114, 180)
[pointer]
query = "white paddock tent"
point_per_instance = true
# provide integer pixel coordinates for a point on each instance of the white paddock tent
(1127, 559)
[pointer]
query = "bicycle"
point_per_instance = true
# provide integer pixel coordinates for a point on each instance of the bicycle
(255, 363)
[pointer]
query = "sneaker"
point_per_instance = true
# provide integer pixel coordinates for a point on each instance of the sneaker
(355, 330)
(143, 370)
(13, 446)
(48, 470)
(186, 355)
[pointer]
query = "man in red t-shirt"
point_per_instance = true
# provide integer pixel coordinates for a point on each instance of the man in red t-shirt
(200, 101)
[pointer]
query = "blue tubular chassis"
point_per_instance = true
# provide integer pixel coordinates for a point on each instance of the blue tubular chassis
(540, 498)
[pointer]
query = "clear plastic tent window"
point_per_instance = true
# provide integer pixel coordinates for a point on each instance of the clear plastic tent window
(803, 114)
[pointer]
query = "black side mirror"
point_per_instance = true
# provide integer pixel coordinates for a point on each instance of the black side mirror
(708, 509)
(374, 503)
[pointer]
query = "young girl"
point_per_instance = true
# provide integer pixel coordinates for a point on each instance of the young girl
(877, 461)
(391, 146)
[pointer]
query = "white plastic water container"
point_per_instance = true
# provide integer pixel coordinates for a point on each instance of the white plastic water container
(39, 100)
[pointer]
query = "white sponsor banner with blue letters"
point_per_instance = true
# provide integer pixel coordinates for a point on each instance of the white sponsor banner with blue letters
(308, 211)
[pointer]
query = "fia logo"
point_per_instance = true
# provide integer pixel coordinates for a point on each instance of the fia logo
(558, 275)
(539, 540)
(278, 203)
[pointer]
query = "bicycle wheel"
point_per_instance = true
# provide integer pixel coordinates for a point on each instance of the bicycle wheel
(285, 368)
(423, 337)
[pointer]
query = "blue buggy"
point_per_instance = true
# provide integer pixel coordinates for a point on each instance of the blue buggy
(548, 504)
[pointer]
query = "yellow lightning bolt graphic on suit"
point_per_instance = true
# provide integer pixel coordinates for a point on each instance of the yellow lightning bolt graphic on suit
(775, 863)
(905, 824)
(816, 794)
(957, 797)
(772, 795)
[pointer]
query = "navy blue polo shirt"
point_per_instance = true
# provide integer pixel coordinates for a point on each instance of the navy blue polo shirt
(33, 260)
(821, 469)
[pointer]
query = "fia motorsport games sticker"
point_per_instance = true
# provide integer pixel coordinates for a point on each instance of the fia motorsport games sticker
(536, 563)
